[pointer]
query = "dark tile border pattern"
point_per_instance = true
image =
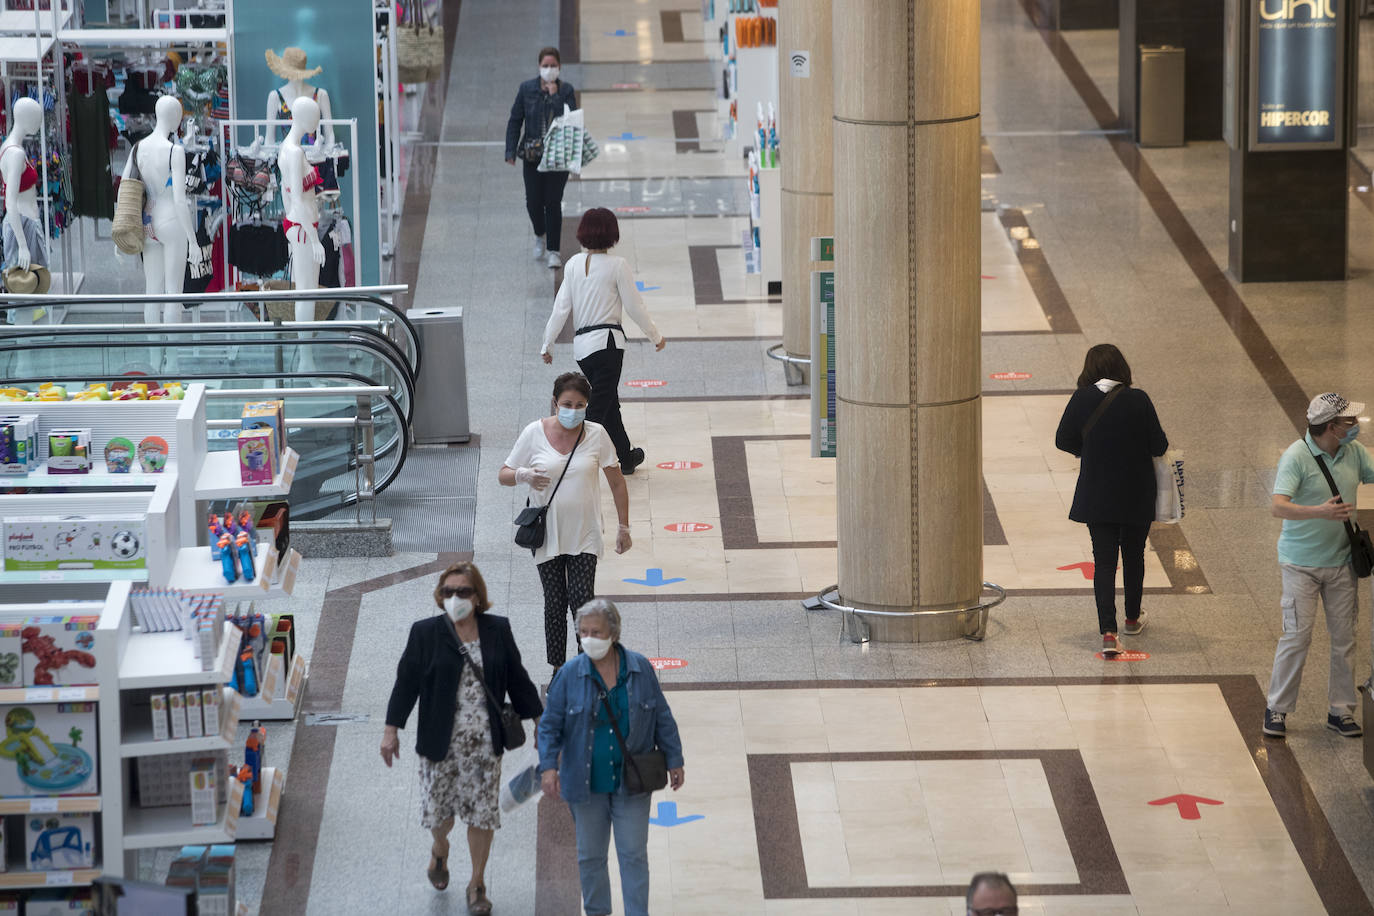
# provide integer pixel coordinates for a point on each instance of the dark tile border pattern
(783, 868)
(1048, 293)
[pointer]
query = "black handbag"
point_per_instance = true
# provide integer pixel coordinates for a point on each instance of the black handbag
(644, 773)
(529, 524)
(511, 724)
(1361, 548)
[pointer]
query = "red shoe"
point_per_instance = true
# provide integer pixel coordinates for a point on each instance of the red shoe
(1111, 646)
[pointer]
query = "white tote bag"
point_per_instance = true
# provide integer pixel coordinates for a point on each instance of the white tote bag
(1169, 487)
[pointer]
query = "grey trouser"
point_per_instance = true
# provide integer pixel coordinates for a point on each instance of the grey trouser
(1302, 586)
(33, 234)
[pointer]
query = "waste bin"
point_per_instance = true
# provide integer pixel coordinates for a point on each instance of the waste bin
(441, 390)
(1160, 101)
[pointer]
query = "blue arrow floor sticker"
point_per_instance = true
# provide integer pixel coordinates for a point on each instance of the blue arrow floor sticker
(639, 285)
(653, 578)
(667, 816)
(626, 135)
(619, 33)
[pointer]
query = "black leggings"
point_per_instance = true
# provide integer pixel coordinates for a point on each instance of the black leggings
(569, 582)
(544, 201)
(602, 370)
(1129, 540)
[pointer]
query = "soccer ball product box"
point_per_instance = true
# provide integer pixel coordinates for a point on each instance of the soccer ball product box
(93, 542)
(59, 651)
(48, 749)
(59, 840)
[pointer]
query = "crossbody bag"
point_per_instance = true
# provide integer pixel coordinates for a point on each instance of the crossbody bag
(1361, 549)
(510, 719)
(529, 524)
(1101, 409)
(644, 773)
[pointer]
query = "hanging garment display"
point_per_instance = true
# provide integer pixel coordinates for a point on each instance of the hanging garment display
(92, 181)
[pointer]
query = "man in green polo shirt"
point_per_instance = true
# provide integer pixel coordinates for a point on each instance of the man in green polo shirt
(1314, 558)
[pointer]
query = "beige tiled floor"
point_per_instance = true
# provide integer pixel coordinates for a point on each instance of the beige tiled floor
(895, 823)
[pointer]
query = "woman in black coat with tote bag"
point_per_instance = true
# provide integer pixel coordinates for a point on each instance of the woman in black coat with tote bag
(1114, 431)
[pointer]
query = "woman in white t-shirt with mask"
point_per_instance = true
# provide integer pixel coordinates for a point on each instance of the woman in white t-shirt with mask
(598, 287)
(572, 534)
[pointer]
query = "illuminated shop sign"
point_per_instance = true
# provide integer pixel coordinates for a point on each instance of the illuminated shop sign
(1297, 50)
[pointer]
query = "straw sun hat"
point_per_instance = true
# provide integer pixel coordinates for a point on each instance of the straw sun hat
(22, 282)
(290, 65)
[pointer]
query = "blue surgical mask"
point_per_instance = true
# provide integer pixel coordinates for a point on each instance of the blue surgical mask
(1350, 434)
(571, 417)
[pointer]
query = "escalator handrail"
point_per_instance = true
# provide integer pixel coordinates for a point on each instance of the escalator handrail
(402, 368)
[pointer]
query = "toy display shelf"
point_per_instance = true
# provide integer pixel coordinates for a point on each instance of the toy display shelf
(167, 660)
(73, 877)
(137, 738)
(150, 505)
(194, 571)
(49, 804)
(219, 477)
(284, 706)
(262, 823)
(99, 476)
(149, 828)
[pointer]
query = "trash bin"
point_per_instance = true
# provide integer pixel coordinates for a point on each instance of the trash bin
(1159, 104)
(441, 390)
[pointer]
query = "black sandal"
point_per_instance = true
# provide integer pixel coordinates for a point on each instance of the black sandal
(438, 874)
(478, 904)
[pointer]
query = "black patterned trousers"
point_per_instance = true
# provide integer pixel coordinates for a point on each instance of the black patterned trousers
(569, 582)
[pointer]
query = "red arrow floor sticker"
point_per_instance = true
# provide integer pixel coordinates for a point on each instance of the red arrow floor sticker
(687, 527)
(1130, 656)
(645, 383)
(1086, 566)
(678, 465)
(1187, 805)
(1009, 376)
(661, 664)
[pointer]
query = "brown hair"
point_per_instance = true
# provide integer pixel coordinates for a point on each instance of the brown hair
(479, 585)
(545, 52)
(598, 230)
(574, 380)
(1104, 361)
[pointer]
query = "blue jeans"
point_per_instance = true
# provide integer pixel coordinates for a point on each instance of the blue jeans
(629, 815)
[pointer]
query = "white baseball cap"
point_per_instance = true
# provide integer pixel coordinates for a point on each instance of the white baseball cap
(1327, 407)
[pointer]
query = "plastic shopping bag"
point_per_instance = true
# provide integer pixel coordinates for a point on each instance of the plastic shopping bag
(1169, 487)
(520, 779)
(563, 143)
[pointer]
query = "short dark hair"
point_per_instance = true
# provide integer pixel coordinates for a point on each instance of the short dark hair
(598, 230)
(545, 52)
(993, 878)
(479, 585)
(574, 380)
(1316, 429)
(1104, 361)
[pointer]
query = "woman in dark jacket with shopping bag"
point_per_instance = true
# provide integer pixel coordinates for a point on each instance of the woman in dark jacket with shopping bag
(1114, 431)
(537, 103)
(460, 736)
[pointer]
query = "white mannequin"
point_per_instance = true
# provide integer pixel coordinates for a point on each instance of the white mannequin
(298, 88)
(28, 121)
(301, 205)
(168, 247)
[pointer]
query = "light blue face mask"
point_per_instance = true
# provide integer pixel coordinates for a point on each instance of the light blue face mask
(1350, 434)
(570, 417)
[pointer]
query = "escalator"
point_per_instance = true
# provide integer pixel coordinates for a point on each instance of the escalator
(377, 348)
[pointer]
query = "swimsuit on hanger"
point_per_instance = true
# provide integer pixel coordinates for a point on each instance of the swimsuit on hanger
(29, 177)
(285, 112)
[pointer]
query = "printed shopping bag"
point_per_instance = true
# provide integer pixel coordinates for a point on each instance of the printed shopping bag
(563, 143)
(1169, 487)
(589, 148)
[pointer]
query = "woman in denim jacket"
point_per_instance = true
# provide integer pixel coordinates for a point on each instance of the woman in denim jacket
(580, 757)
(537, 103)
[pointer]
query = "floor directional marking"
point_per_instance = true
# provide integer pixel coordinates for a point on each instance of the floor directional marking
(654, 578)
(668, 817)
(1187, 805)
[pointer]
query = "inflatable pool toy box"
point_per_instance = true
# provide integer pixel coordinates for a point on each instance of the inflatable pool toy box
(48, 749)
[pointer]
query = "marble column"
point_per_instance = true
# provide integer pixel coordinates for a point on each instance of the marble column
(907, 250)
(806, 107)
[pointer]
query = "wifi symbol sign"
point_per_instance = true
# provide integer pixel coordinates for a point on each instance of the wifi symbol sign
(801, 64)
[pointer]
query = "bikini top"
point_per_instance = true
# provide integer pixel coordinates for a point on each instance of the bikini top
(29, 177)
(285, 112)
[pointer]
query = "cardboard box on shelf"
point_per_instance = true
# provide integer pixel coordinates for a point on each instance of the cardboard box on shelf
(176, 706)
(59, 651)
(267, 415)
(69, 451)
(88, 542)
(73, 902)
(195, 724)
(158, 709)
(59, 840)
(161, 780)
(9, 904)
(11, 648)
(257, 456)
(48, 749)
(18, 444)
(204, 779)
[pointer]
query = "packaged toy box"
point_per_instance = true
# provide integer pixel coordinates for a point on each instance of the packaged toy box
(59, 651)
(11, 647)
(18, 443)
(162, 779)
(72, 902)
(69, 451)
(267, 415)
(59, 840)
(48, 749)
(92, 542)
(258, 458)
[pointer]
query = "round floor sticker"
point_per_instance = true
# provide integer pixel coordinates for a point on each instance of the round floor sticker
(1010, 376)
(645, 383)
(687, 527)
(678, 465)
(1126, 657)
(667, 664)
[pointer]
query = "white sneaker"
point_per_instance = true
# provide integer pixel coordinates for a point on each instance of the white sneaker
(554, 261)
(538, 247)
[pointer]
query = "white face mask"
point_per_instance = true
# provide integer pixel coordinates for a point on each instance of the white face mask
(457, 608)
(570, 417)
(548, 74)
(595, 648)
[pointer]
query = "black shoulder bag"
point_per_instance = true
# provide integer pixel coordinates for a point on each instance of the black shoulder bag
(529, 524)
(1101, 409)
(510, 719)
(1361, 549)
(644, 773)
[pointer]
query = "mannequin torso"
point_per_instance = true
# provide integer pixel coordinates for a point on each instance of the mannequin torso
(301, 205)
(281, 100)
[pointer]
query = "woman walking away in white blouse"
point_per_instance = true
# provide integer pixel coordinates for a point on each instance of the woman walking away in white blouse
(597, 287)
